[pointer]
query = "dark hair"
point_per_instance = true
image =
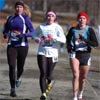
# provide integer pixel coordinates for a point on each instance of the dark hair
(26, 7)
(19, 3)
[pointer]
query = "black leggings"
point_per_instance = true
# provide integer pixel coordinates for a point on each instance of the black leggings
(46, 67)
(16, 54)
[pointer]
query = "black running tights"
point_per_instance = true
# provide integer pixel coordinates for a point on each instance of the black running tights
(46, 67)
(16, 55)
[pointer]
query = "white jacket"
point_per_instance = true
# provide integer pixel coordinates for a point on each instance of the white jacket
(49, 49)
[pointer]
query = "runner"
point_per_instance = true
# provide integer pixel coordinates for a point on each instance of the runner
(80, 40)
(47, 35)
(17, 28)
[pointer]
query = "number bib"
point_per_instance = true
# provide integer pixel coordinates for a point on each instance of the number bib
(47, 43)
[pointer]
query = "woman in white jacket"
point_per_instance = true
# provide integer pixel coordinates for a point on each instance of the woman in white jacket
(47, 35)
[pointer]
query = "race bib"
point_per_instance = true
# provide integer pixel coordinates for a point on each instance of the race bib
(55, 59)
(47, 43)
(72, 55)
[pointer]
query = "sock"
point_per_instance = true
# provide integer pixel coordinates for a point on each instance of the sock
(75, 98)
(19, 79)
(80, 94)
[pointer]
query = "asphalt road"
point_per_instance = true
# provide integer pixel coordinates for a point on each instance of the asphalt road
(62, 89)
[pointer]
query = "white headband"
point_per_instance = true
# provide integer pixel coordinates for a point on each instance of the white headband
(51, 13)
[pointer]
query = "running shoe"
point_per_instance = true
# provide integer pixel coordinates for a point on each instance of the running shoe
(13, 94)
(49, 86)
(43, 97)
(18, 83)
(80, 99)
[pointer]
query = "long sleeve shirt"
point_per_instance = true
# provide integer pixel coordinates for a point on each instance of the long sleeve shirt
(74, 43)
(22, 24)
(49, 48)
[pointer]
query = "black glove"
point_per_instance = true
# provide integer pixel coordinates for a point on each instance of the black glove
(21, 35)
(5, 37)
(82, 38)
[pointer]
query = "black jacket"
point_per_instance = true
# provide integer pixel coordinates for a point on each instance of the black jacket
(91, 40)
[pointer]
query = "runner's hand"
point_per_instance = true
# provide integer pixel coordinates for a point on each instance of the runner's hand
(82, 38)
(38, 40)
(21, 35)
(5, 37)
(50, 36)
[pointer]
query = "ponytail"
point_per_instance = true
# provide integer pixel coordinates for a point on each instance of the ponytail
(27, 10)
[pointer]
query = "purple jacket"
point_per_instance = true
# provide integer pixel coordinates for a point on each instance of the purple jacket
(22, 24)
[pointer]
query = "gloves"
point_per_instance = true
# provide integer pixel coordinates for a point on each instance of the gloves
(37, 40)
(50, 36)
(5, 37)
(82, 38)
(21, 35)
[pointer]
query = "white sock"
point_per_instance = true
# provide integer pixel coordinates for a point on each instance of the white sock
(80, 94)
(75, 98)
(19, 79)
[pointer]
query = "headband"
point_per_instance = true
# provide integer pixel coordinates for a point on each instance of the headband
(51, 13)
(82, 14)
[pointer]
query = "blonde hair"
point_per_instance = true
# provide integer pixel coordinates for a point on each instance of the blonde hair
(27, 10)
